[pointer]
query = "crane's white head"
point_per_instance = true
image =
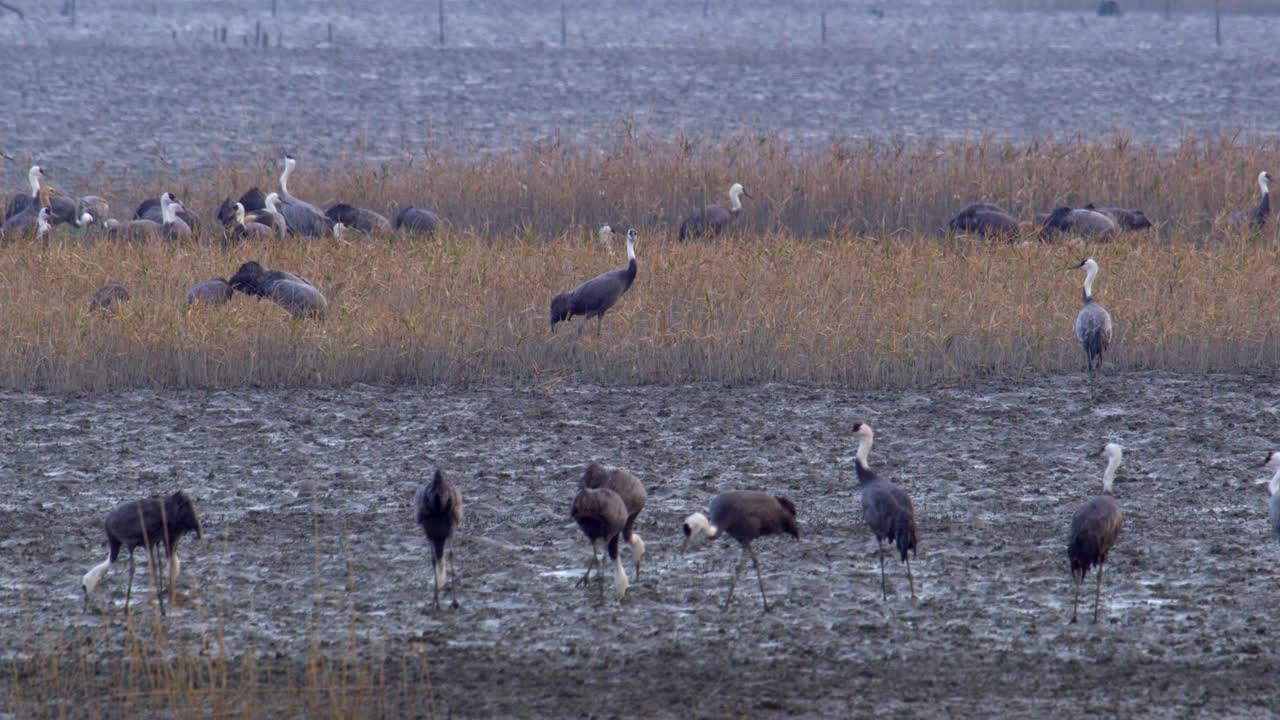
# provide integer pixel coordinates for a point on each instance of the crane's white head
(271, 201)
(865, 436)
(85, 220)
(34, 176)
(239, 214)
(606, 233)
(1272, 464)
(631, 243)
(337, 230)
(736, 194)
(1090, 268)
(637, 547)
(695, 525)
(1264, 181)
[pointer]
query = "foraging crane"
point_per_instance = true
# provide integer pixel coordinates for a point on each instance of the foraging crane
(601, 515)
(744, 515)
(149, 523)
(631, 490)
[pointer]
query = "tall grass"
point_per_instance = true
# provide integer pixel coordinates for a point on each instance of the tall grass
(457, 309)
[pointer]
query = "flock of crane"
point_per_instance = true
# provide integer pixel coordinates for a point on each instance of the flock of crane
(609, 500)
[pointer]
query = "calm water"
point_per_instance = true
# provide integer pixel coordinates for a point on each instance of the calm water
(142, 87)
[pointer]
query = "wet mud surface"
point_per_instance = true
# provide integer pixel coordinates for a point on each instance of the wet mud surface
(140, 87)
(309, 536)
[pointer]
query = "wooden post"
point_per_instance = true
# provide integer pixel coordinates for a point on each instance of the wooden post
(440, 11)
(1168, 9)
(824, 28)
(257, 34)
(273, 8)
(280, 39)
(1217, 21)
(706, 8)
(224, 34)
(73, 13)
(564, 24)
(330, 33)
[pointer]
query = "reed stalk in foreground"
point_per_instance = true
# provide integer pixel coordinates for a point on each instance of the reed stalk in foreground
(459, 309)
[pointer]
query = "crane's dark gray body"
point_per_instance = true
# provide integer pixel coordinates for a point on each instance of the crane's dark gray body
(417, 220)
(1093, 330)
(216, 291)
(601, 515)
(594, 297)
(252, 200)
(364, 220)
(149, 523)
(439, 512)
(1256, 216)
(108, 296)
(1126, 218)
(1080, 221)
(708, 222)
(984, 219)
(150, 210)
(287, 290)
(888, 512)
(745, 515)
(627, 486)
(1094, 530)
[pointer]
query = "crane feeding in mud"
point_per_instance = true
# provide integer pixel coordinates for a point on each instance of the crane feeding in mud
(601, 515)
(1094, 530)
(1093, 324)
(438, 508)
(149, 523)
(745, 515)
(596, 296)
(631, 490)
(886, 508)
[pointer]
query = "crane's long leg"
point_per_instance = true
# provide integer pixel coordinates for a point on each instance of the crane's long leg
(595, 561)
(452, 585)
(128, 593)
(742, 562)
(599, 322)
(911, 579)
(1075, 603)
(435, 581)
(153, 569)
(884, 588)
(755, 561)
(173, 565)
(1097, 596)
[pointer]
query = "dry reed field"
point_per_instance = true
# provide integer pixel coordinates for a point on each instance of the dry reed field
(460, 309)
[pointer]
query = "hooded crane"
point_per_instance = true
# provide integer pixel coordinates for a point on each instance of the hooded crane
(108, 296)
(1083, 222)
(886, 508)
(439, 511)
(1094, 530)
(1256, 217)
(711, 220)
(417, 221)
(303, 217)
(21, 201)
(252, 200)
(601, 515)
(153, 209)
(1126, 218)
(1093, 324)
(1273, 487)
(149, 523)
(216, 291)
(594, 297)
(361, 219)
(631, 490)
(29, 217)
(985, 219)
(245, 229)
(287, 290)
(745, 515)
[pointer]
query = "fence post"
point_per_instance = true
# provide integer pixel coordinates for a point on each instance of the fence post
(440, 12)
(564, 24)
(273, 8)
(1217, 21)
(824, 28)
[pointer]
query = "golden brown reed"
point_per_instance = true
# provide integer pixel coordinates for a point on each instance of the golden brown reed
(460, 309)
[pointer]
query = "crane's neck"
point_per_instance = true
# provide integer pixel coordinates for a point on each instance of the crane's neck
(42, 222)
(631, 250)
(735, 199)
(33, 178)
(284, 176)
(1262, 183)
(168, 211)
(864, 450)
(1273, 487)
(1090, 274)
(271, 202)
(1109, 476)
(239, 214)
